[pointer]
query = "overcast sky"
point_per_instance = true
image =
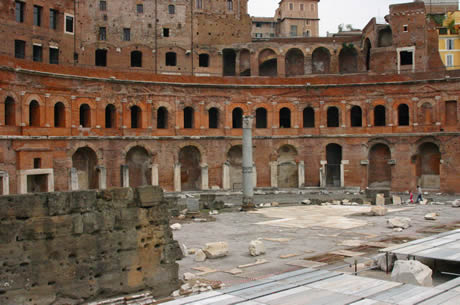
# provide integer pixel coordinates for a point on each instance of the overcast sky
(334, 12)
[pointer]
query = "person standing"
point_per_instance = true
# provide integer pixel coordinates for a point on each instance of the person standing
(419, 195)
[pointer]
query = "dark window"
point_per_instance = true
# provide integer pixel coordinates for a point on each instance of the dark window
(59, 115)
(285, 118)
(110, 112)
(102, 33)
(213, 114)
(406, 58)
(53, 19)
(403, 115)
(69, 24)
(230, 5)
(332, 117)
(126, 34)
(136, 59)
(204, 60)
(188, 117)
(140, 8)
(308, 117)
(199, 4)
(37, 15)
(37, 162)
(237, 118)
(101, 58)
(102, 5)
(136, 117)
(20, 11)
(171, 59)
(54, 56)
(10, 112)
(356, 117)
(171, 9)
(162, 118)
(261, 118)
(34, 114)
(37, 53)
(379, 116)
(20, 49)
(443, 31)
(258, 25)
(165, 32)
(85, 116)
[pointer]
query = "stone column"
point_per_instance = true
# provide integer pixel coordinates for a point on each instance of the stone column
(102, 177)
(301, 173)
(124, 176)
(322, 174)
(226, 176)
(342, 172)
(254, 176)
(177, 182)
(74, 179)
(155, 177)
(274, 174)
(6, 182)
(204, 177)
(248, 165)
(51, 180)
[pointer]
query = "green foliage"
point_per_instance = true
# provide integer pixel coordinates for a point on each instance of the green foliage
(348, 45)
(438, 19)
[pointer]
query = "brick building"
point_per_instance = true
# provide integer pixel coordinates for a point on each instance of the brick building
(91, 98)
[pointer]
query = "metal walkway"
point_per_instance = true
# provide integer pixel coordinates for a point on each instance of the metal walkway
(322, 287)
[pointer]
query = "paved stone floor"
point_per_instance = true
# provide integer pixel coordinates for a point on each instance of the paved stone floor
(294, 233)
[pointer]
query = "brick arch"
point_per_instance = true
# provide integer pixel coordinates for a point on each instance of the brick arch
(17, 106)
(375, 141)
(32, 97)
(98, 151)
(182, 106)
(204, 159)
(428, 139)
(67, 110)
(214, 105)
(126, 149)
(244, 107)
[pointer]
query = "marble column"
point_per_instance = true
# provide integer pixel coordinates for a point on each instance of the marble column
(204, 177)
(226, 176)
(274, 173)
(248, 165)
(74, 179)
(177, 182)
(124, 176)
(301, 173)
(102, 177)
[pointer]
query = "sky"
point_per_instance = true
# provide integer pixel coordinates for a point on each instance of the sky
(334, 12)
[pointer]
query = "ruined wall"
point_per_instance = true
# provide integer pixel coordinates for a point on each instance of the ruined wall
(85, 245)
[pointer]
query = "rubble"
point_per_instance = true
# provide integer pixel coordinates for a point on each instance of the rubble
(380, 199)
(396, 200)
(189, 276)
(216, 250)
(399, 222)
(456, 203)
(431, 216)
(256, 248)
(381, 261)
(176, 226)
(412, 272)
(306, 201)
(378, 211)
(200, 256)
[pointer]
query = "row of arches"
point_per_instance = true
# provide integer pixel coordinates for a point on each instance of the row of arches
(379, 116)
(296, 63)
(139, 161)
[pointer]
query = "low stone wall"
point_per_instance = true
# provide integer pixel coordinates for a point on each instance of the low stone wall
(85, 245)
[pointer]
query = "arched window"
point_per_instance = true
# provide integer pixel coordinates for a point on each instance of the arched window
(59, 115)
(110, 115)
(171, 59)
(171, 9)
(188, 117)
(204, 60)
(285, 118)
(308, 117)
(162, 118)
(213, 115)
(10, 112)
(379, 116)
(403, 115)
(136, 117)
(333, 117)
(230, 5)
(136, 59)
(237, 118)
(34, 113)
(85, 115)
(261, 118)
(356, 117)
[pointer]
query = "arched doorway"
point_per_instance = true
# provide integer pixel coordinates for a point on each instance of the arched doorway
(59, 115)
(321, 60)
(237, 118)
(379, 172)
(287, 167)
(229, 62)
(334, 162)
(268, 63)
(139, 164)
(295, 62)
(428, 166)
(10, 112)
(84, 160)
(190, 176)
(245, 63)
(348, 60)
(235, 159)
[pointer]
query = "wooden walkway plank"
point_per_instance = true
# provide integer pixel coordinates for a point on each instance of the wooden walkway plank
(193, 298)
(261, 290)
(449, 285)
(225, 299)
(444, 298)
(369, 302)
(378, 289)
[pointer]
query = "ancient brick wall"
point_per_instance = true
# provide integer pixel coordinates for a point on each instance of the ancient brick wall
(85, 245)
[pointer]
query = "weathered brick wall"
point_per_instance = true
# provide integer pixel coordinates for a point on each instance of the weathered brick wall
(85, 245)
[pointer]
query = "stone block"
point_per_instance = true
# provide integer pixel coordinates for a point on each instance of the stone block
(456, 203)
(397, 200)
(399, 222)
(149, 196)
(216, 250)
(23, 206)
(59, 203)
(378, 211)
(385, 263)
(83, 201)
(380, 199)
(412, 272)
(256, 248)
(193, 205)
(200, 256)
(431, 216)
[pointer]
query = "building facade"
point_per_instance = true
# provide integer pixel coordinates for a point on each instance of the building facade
(377, 110)
(449, 40)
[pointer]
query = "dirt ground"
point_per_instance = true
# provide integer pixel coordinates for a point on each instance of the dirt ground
(297, 236)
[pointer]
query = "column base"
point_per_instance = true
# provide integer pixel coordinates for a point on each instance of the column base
(248, 204)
